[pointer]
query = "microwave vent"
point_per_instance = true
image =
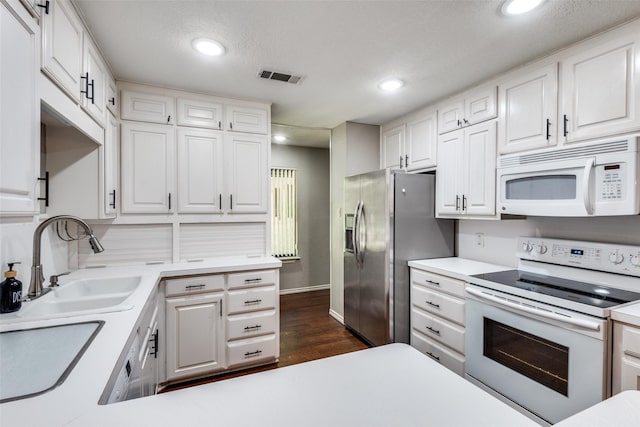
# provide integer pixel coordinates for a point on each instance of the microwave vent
(566, 153)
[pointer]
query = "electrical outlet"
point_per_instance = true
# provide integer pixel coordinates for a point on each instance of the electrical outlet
(480, 239)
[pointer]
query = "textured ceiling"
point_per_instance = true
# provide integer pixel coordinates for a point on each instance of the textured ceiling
(343, 48)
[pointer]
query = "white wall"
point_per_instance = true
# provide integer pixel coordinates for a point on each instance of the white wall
(312, 166)
(500, 237)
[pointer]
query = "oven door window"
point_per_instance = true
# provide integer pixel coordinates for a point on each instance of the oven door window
(539, 359)
(542, 187)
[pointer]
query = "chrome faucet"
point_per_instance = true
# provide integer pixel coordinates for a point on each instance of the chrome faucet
(37, 277)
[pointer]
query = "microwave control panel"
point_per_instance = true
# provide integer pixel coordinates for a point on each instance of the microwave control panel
(610, 181)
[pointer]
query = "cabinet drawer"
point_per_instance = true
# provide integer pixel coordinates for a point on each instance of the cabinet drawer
(252, 278)
(438, 329)
(449, 307)
(440, 283)
(251, 325)
(631, 340)
(252, 299)
(194, 285)
(252, 350)
(447, 358)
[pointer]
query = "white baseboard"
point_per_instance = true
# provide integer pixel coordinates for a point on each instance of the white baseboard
(336, 316)
(304, 289)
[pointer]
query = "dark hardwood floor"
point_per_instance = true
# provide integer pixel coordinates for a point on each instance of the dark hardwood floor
(307, 332)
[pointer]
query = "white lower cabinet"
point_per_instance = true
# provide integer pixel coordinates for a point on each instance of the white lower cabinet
(437, 318)
(195, 338)
(220, 322)
(626, 358)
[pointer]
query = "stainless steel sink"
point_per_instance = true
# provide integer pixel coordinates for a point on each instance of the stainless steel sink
(34, 362)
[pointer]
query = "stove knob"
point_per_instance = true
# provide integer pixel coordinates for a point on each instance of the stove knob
(541, 249)
(527, 247)
(616, 257)
(635, 259)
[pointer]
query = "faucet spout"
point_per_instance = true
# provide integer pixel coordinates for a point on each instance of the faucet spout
(37, 276)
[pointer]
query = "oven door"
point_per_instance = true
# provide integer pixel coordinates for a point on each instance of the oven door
(560, 188)
(552, 369)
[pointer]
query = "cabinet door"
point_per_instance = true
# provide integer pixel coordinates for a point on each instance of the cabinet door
(146, 107)
(247, 119)
(421, 142)
(599, 92)
(528, 110)
(111, 192)
(480, 106)
(95, 102)
(200, 166)
(480, 170)
(450, 117)
(247, 173)
(393, 148)
(62, 47)
(112, 96)
(450, 174)
(199, 114)
(147, 169)
(195, 340)
(19, 111)
(626, 358)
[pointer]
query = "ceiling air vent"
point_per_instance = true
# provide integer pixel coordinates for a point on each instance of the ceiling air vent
(279, 76)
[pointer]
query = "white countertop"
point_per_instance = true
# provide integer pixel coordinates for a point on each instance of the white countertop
(621, 410)
(458, 268)
(78, 395)
(383, 386)
(630, 314)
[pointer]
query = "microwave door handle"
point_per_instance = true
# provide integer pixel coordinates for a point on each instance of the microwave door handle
(586, 186)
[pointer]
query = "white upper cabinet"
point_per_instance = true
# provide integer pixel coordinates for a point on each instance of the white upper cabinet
(62, 47)
(147, 107)
(97, 78)
(112, 96)
(111, 193)
(247, 162)
(200, 171)
(392, 147)
(19, 110)
(600, 90)
(475, 107)
(528, 110)
(148, 153)
(466, 184)
(198, 113)
(247, 119)
(412, 145)
(421, 142)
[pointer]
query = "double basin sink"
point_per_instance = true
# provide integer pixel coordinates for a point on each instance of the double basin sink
(83, 296)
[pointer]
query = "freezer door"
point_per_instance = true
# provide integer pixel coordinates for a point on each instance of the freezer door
(351, 270)
(374, 255)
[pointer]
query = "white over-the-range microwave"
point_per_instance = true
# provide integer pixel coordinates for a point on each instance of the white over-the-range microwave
(591, 179)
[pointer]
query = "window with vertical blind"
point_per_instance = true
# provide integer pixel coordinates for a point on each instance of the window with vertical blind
(284, 213)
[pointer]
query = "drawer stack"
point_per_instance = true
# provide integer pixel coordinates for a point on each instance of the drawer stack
(252, 317)
(437, 318)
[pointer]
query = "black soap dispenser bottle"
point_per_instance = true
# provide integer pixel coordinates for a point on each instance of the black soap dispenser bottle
(10, 291)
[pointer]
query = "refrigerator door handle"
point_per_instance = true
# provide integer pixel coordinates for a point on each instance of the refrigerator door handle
(354, 234)
(362, 240)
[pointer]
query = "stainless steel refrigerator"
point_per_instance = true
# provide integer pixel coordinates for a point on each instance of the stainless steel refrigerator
(389, 220)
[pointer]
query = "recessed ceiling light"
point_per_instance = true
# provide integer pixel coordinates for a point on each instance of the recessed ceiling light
(208, 47)
(279, 138)
(517, 7)
(391, 85)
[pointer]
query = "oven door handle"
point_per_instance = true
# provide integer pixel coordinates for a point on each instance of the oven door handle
(586, 324)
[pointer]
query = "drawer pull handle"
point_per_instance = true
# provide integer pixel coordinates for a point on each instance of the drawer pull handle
(252, 328)
(259, 279)
(433, 356)
(253, 301)
(431, 282)
(193, 287)
(433, 304)
(433, 331)
(252, 353)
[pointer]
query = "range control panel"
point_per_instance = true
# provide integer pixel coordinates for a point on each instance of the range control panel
(614, 258)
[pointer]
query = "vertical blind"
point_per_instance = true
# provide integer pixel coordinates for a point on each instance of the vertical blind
(284, 213)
